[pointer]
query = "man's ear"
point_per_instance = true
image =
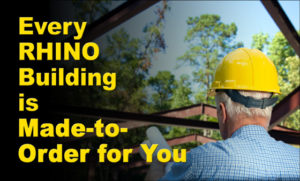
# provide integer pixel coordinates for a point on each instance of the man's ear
(223, 112)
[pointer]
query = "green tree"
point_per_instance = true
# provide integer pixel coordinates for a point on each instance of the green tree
(163, 84)
(278, 51)
(260, 41)
(122, 55)
(181, 95)
(209, 39)
(131, 59)
(288, 67)
(90, 10)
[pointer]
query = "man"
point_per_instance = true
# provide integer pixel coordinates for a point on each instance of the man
(244, 83)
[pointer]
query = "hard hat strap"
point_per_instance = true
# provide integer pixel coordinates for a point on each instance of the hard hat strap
(249, 102)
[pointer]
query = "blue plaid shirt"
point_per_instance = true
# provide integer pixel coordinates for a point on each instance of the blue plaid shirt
(250, 154)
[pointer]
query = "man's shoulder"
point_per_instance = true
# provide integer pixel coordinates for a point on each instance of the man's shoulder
(218, 146)
(231, 157)
(287, 147)
(240, 150)
(286, 150)
(212, 149)
(236, 145)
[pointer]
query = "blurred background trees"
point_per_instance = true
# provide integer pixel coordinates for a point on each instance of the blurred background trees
(287, 64)
(208, 39)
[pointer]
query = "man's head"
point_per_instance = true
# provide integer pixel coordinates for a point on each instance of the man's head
(233, 115)
(244, 83)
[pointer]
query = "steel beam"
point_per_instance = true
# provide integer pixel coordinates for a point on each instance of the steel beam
(285, 107)
(281, 128)
(183, 112)
(126, 116)
(287, 137)
(189, 111)
(134, 120)
(116, 17)
(283, 22)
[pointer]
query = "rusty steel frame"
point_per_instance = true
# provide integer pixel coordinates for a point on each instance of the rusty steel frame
(175, 117)
(129, 9)
(184, 112)
(113, 115)
(285, 107)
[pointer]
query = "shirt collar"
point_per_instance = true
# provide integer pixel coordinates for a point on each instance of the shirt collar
(250, 131)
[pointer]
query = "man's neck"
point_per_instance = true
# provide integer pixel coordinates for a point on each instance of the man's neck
(241, 121)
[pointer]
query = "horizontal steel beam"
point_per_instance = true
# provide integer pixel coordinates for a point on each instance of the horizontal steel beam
(135, 120)
(193, 110)
(176, 117)
(287, 137)
(126, 116)
(183, 112)
(67, 111)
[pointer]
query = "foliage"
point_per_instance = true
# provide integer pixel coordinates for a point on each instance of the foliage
(131, 59)
(278, 51)
(181, 95)
(168, 92)
(163, 84)
(288, 66)
(187, 146)
(90, 10)
(177, 131)
(208, 39)
(260, 40)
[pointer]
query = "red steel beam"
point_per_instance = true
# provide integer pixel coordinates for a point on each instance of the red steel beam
(176, 117)
(183, 112)
(281, 128)
(113, 115)
(133, 7)
(134, 120)
(285, 107)
(189, 111)
(283, 22)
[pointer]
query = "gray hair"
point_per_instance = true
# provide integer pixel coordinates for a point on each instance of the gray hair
(234, 108)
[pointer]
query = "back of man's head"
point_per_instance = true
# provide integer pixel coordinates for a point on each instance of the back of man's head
(244, 83)
(235, 109)
(233, 115)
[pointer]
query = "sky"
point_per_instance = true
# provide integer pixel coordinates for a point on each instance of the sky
(250, 17)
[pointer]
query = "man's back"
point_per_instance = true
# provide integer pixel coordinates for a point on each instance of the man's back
(250, 154)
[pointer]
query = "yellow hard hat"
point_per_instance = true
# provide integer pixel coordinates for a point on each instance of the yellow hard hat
(246, 69)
